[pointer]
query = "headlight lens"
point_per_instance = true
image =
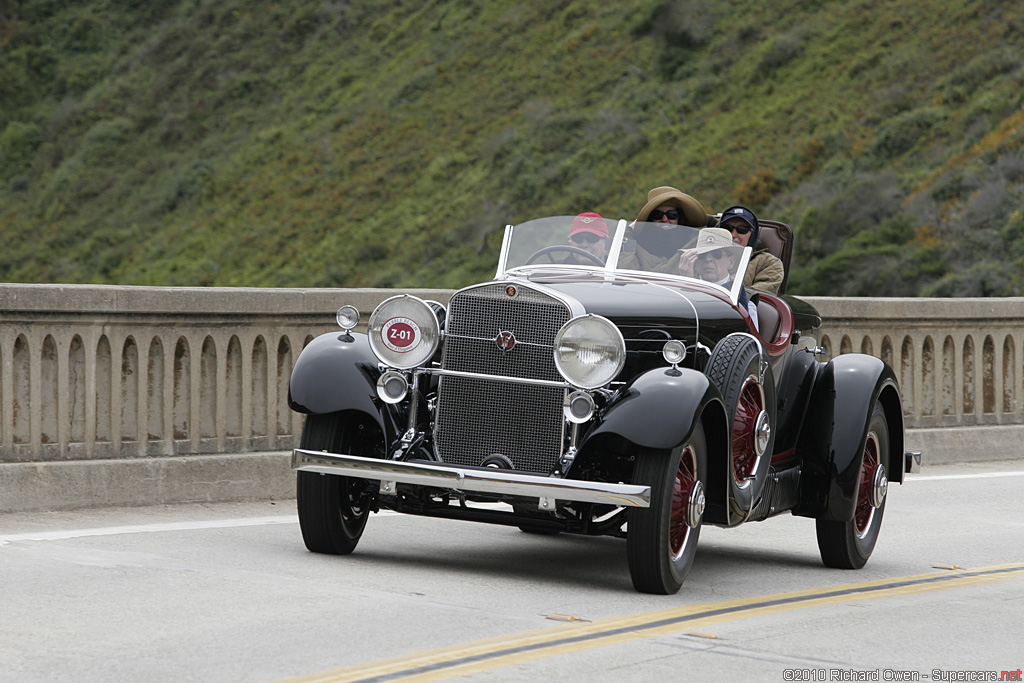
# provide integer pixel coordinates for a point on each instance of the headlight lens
(347, 317)
(589, 351)
(674, 351)
(404, 332)
(578, 407)
(392, 386)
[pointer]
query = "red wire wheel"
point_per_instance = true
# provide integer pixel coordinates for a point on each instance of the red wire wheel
(865, 510)
(847, 544)
(749, 408)
(685, 480)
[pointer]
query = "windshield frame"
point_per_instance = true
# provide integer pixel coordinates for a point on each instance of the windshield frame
(622, 235)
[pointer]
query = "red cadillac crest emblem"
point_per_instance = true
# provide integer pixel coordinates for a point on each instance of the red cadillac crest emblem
(505, 340)
(511, 290)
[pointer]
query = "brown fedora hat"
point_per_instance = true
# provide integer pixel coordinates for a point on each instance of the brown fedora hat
(694, 214)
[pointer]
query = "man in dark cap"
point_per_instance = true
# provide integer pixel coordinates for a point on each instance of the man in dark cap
(764, 271)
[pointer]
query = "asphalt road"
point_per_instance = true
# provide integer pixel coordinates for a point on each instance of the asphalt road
(228, 593)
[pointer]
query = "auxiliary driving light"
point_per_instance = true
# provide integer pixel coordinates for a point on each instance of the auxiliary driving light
(348, 318)
(392, 386)
(674, 352)
(578, 407)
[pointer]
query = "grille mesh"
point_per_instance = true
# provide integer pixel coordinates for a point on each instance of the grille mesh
(477, 418)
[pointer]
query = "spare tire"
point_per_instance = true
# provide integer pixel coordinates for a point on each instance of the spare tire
(740, 369)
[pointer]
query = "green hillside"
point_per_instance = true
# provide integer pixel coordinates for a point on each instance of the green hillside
(387, 142)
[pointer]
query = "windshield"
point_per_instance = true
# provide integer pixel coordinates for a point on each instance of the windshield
(625, 249)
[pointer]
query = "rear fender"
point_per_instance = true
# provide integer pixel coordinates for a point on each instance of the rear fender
(831, 444)
(338, 372)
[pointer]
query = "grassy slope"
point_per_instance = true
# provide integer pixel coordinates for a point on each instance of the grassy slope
(386, 143)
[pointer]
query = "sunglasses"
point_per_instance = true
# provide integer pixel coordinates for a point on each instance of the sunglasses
(739, 229)
(588, 237)
(717, 254)
(671, 214)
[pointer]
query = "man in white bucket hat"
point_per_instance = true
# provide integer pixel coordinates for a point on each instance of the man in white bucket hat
(714, 260)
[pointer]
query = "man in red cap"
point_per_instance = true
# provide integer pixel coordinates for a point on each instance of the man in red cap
(589, 232)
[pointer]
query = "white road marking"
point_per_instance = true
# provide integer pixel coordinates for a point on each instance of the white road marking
(63, 535)
(980, 475)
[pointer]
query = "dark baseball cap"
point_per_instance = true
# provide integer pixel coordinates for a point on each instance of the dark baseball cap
(744, 214)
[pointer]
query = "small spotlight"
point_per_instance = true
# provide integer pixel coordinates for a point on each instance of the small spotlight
(347, 317)
(392, 386)
(578, 407)
(674, 351)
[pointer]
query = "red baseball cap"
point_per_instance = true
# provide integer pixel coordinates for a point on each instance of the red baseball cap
(589, 222)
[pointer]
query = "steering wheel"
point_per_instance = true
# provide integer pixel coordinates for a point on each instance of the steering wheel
(547, 251)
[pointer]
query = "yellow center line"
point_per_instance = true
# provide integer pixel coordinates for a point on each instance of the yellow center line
(504, 651)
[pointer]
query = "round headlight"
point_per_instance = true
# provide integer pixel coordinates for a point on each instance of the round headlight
(589, 351)
(347, 317)
(403, 332)
(674, 351)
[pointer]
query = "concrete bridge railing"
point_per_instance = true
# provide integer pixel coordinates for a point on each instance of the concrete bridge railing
(146, 380)
(958, 360)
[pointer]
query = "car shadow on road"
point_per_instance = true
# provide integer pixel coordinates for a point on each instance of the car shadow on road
(509, 555)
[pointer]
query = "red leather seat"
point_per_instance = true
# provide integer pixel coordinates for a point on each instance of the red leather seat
(768, 320)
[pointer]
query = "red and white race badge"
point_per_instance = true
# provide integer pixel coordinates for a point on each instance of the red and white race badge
(400, 334)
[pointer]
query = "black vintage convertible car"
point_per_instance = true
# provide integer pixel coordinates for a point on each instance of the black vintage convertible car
(585, 391)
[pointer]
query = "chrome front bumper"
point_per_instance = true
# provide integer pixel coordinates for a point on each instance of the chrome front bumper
(546, 489)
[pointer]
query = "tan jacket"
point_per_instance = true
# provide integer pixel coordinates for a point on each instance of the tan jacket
(764, 272)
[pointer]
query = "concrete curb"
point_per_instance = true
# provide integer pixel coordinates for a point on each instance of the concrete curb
(28, 487)
(952, 445)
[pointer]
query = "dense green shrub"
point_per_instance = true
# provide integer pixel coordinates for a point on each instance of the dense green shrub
(905, 131)
(18, 143)
(185, 142)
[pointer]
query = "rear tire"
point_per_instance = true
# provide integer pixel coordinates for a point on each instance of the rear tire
(333, 509)
(848, 545)
(660, 544)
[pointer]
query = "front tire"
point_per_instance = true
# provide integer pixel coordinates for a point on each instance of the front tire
(848, 545)
(333, 509)
(660, 541)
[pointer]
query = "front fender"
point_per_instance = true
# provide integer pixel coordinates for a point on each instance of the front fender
(336, 371)
(831, 444)
(658, 409)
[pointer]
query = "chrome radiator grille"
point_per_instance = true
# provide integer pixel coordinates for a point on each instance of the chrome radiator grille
(478, 418)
